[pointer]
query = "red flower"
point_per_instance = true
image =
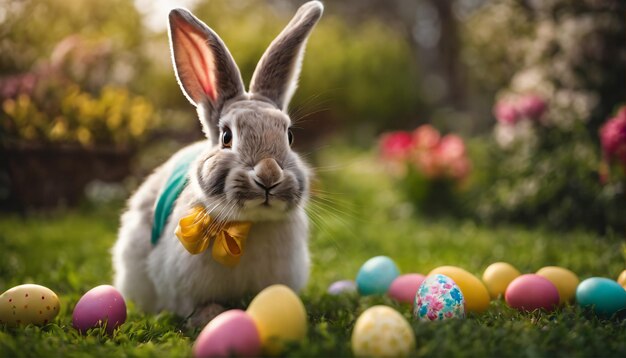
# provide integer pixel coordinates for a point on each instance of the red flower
(396, 145)
(613, 137)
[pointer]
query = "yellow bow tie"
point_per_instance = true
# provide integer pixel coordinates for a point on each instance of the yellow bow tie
(196, 231)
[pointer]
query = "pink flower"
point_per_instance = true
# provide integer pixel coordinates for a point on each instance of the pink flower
(613, 137)
(432, 315)
(451, 148)
(531, 106)
(432, 156)
(451, 157)
(396, 145)
(506, 112)
(426, 137)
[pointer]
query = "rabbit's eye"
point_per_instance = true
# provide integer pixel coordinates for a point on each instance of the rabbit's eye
(290, 136)
(227, 138)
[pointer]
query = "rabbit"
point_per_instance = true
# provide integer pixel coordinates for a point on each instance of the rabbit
(245, 170)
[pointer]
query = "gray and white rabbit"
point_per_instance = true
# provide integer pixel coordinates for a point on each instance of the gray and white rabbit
(246, 171)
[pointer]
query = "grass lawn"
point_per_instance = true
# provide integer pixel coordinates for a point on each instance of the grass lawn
(357, 215)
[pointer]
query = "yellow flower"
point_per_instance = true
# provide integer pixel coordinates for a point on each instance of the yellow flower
(59, 129)
(83, 135)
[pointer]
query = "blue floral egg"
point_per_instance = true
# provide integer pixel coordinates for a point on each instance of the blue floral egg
(438, 298)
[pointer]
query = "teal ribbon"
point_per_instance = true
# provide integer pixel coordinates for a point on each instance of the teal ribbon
(170, 192)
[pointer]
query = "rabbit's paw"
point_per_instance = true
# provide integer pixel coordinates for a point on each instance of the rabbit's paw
(204, 315)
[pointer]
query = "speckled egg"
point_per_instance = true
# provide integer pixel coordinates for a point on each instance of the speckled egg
(474, 291)
(341, 287)
(438, 298)
(604, 296)
(530, 292)
(280, 317)
(565, 281)
(26, 304)
(382, 332)
(232, 333)
(376, 275)
(100, 305)
(404, 287)
(498, 276)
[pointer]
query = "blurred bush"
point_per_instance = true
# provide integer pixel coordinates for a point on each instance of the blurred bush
(31, 29)
(67, 115)
(69, 110)
(57, 86)
(543, 164)
(430, 169)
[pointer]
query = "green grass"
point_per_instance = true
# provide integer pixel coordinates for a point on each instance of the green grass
(357, 214)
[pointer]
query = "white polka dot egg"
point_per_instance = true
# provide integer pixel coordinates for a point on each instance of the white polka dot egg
(382, 332)
(28, 304)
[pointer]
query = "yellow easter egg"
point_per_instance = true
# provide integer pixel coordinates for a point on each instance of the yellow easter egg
(476, 295)
(382, 332)
(497, 277)
(25, 304)
(565, 281)
(622, 278)
(279, 316)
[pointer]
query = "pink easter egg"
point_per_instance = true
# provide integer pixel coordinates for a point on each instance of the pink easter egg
(404, 287)
(232, 333)
(530, 292)
(100, 305)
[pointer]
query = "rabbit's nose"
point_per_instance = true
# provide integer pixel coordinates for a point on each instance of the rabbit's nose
(268, 173)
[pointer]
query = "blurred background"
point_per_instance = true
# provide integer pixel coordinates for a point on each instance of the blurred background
(496, 111)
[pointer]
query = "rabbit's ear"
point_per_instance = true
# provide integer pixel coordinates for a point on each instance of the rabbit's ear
(276, 75)
(205, 69)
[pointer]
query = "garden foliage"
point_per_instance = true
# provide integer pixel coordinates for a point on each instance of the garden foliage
(430, 169)
(544, 163)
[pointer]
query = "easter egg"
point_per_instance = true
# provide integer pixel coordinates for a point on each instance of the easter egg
(381, 331)
(438, 298)
(28, 304)
(565, 281)
(376, 275)
(343, 286)
(530, 292)
(232, 333)
(102, 305)
(605, 296)
(622, 279)
(497, 277)
(474, 291)
(279, 316)
(404, 287)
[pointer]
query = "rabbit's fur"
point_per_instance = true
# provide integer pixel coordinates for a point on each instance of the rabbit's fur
(258, 179)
